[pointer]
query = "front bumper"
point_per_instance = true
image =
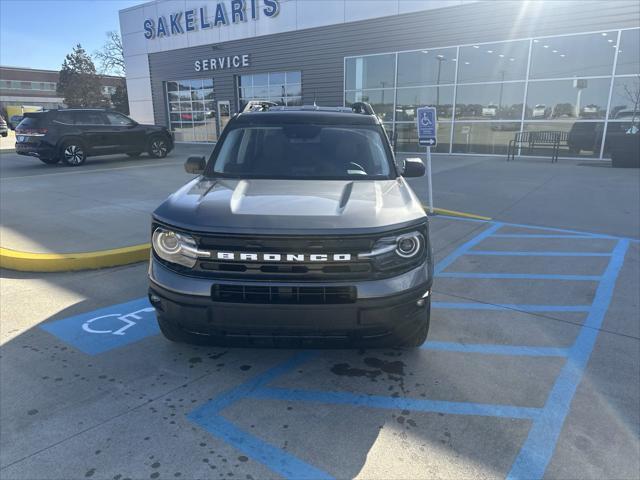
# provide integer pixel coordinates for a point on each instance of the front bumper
(381, 309)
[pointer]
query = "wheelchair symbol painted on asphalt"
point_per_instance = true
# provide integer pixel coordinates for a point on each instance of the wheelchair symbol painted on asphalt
(86, 326)
(111, 327)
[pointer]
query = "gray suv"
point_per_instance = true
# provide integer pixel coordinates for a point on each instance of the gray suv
(300, 228)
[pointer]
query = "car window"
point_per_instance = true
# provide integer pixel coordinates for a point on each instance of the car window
(304, 151)
(65, 117)
(89, 118)
(117, 119)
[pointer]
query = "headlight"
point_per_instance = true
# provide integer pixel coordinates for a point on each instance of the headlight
(176, 247)
(389, 253)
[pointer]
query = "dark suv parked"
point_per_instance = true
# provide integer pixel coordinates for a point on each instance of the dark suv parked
(73, 135)
(301, 226)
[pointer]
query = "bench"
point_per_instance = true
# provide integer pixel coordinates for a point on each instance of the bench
(550, 138)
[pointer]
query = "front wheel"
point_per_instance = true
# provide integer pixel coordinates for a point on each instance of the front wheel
(73, 153)
(158, 147)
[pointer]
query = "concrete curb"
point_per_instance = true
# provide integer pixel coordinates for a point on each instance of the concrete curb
(65, 262)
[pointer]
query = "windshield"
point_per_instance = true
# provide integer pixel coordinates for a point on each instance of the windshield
(304, 152)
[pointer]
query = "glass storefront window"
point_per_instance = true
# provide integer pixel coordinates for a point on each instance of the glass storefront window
(408, 99)
(568, 85)
(629, 52)
(490, 101)
(376, 71)
(625, 98)
(427, 67)
(581, 139)
(283, 88)
(573, 56)
(568, 99)
(191, 118)
(483, 137)
(493, 62)
(407, 138)
(381, 101)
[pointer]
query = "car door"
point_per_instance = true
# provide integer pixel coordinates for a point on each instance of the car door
(126, 135)
(94, 130)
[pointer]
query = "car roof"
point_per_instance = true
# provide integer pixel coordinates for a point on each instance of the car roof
(293, 116)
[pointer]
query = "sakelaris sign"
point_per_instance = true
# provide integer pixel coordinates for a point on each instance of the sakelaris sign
(234, 11)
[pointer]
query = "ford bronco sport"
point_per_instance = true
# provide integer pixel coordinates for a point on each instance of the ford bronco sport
(300, 226)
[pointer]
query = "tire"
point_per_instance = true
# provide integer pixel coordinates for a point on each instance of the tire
(134, 154)
(158, 147)
(73, 153)
(50, 161)
(417, 336)
(5, 134)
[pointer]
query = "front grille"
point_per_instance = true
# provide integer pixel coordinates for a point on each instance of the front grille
(353, 269)
(283, 295)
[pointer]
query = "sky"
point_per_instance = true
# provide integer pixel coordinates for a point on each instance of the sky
(39, 33)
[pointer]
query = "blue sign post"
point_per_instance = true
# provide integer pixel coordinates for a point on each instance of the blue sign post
(427, 136)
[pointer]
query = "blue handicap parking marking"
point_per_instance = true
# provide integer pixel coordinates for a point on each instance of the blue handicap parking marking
(107, 328)
(537, 450)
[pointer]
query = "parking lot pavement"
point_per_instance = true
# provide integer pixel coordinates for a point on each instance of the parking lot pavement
(531, 369)
(102, 205)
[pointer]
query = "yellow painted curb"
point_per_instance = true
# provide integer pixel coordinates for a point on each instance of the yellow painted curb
(455, 213)
(65, 262)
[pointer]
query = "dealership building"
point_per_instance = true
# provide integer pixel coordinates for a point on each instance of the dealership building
(491, 68)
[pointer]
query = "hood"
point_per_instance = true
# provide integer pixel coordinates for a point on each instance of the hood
(291, 206)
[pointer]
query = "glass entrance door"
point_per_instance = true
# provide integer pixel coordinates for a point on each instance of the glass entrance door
(192, 110)
(224, 114)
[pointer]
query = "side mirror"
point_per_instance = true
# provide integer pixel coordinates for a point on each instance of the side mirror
(195, 165)
(413, 167)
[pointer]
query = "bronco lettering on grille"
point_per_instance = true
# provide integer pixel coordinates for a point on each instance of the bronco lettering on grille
(283, 257)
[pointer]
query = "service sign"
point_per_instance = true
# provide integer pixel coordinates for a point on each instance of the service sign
(211, 15)
(427, 130)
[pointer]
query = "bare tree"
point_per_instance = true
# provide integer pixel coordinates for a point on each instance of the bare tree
(111, 56)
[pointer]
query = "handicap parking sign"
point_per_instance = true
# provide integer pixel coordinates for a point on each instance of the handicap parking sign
(427, 120)
(108, 328)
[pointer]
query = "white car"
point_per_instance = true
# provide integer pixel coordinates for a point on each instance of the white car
(539, 111)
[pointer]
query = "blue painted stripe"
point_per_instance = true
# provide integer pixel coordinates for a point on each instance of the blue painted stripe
(444, 263)
(208, 417)
(517, 276)
(510, 306)
(209, 409)
(535, 454)
(504, 253)
(497, 349)
(396, 403)
(544, 235)
(274, 458)
(548, 229)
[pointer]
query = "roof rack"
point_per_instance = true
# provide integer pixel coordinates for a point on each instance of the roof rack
(362, 107)
(266, 106)
(258, 106)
